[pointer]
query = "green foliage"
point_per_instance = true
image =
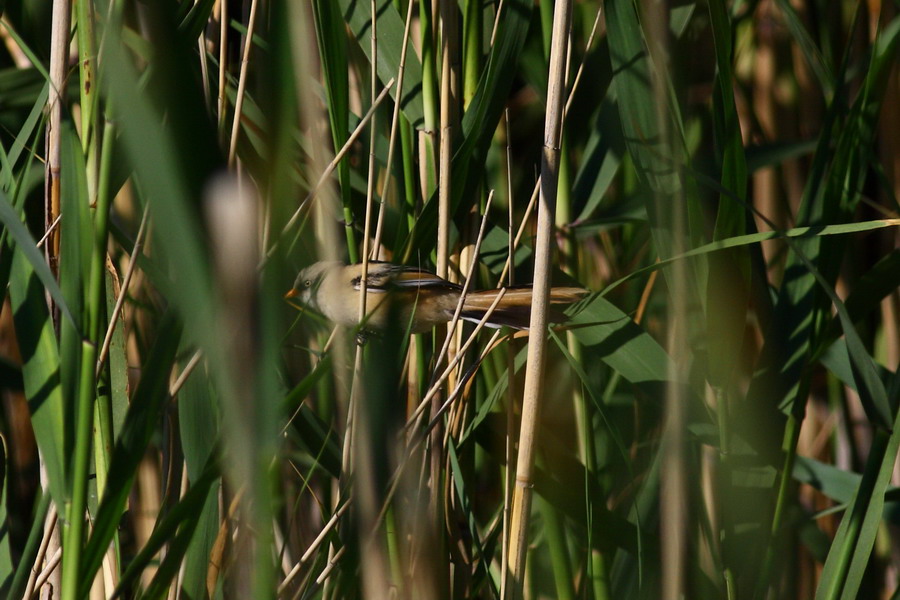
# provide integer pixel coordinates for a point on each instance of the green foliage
(728, 197)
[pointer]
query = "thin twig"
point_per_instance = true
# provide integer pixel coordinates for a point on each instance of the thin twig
(587, 47)
(463, 380)
(326, 173)
(188, 369)
(456, 359)
(48, 570)
(496, 22)
(49, 524)
(326, 572)
(50, 230)
(537, 184)
(392, 143)
(528, 209)
(329, 526)
(451, 327)
(242, 83)
(417, 440)
(123, 291)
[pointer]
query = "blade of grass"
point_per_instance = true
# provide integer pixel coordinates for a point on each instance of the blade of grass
(852, 545)
(811, 52)
(176, 528)
(16, 586)
(40, 369)
(26, 246)
(137, 431)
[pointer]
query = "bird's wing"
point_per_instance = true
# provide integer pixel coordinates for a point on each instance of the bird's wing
(383, 277)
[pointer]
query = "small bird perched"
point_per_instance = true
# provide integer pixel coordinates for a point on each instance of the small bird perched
(411, 297)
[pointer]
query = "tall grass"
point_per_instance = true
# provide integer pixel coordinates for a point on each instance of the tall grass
(717, 419)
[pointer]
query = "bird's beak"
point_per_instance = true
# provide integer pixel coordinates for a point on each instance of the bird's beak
(293, 298)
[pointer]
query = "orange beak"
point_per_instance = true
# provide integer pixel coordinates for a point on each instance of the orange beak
(291, 296)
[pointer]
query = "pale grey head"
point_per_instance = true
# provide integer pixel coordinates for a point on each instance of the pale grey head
(308, 281)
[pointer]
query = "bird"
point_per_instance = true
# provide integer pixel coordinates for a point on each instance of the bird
(413, 298)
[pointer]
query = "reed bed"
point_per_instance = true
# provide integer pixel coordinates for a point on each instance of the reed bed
(717, 418)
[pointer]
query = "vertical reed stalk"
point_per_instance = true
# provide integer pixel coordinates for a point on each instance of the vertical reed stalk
(448, 112)
(534, 374)
(84, 424)
(97, 301)
(448, 125)
(74, 512)
(472, 34)
(430, 105)
(59, 58)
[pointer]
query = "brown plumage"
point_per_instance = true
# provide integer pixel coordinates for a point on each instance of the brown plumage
(413, 298)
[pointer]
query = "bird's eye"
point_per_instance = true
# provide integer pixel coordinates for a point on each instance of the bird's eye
(307, 283)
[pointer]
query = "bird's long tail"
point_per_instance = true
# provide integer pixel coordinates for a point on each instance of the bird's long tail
(514, 309)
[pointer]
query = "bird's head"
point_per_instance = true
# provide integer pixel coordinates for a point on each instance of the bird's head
(308, 281)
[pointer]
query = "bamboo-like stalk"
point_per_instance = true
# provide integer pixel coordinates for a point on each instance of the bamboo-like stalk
(537, 184)
(103, 411)
(448, 10)
(356, 392)
(84, 412)
(534, 374)
(430, 107)
(473, 25)
(448, 100)
(332, 562)
(84, 421)
(59, 55)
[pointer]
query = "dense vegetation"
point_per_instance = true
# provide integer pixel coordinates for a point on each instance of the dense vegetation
(717, 419)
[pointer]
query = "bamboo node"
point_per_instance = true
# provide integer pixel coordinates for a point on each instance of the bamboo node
(524, 482)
